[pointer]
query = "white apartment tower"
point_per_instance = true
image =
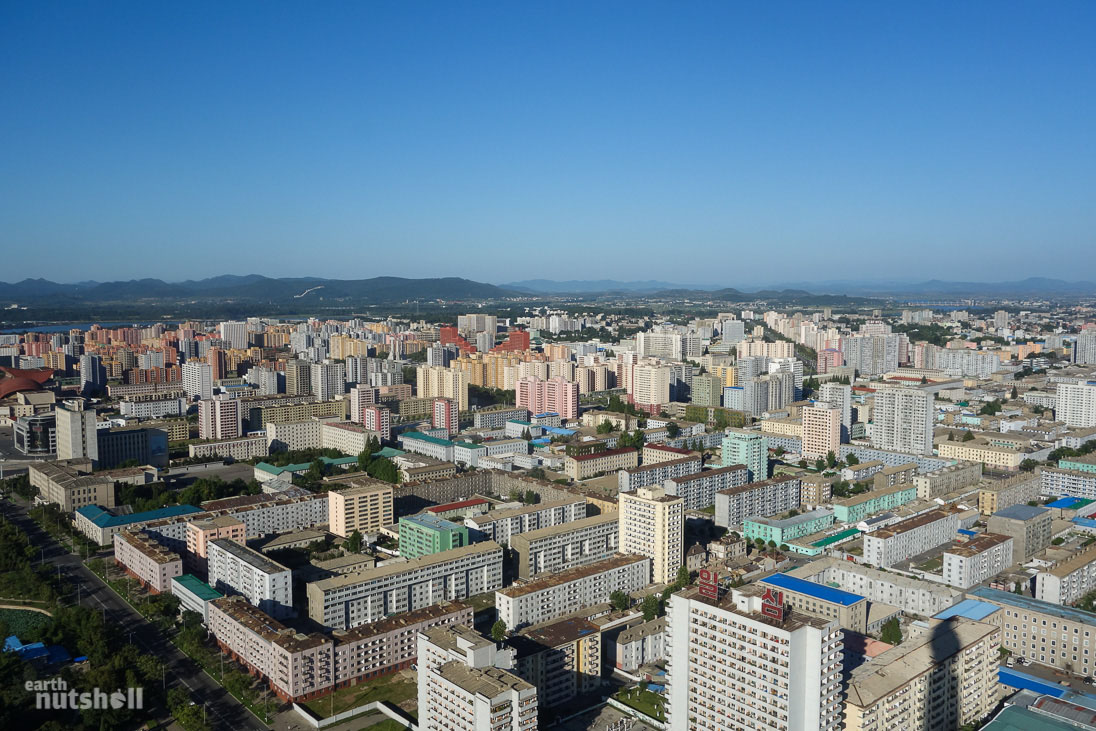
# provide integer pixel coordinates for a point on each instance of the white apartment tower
(198, 379)
(757, 665)
(652, 524)
(903, 420)
(76, 432)
(328, 380)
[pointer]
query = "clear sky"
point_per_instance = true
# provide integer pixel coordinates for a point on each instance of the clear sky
(730, 143)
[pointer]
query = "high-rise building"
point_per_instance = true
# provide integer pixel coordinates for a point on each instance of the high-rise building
(446, 416)
(76, 432)
(754, 664)
(235, 334)
(298, 378)
(707, 390)
(220, 418)
(218, 363)
(652, 524)
(1000, 319)
(1077, 404)
(1084, 347)
(555, 395)
(821, 433)
(93, 376)
(902, 421)
(328, 380)
(747, 448)
(378, 419)
(840, 395)
(434, 382)
(198, 379)
(650, 386)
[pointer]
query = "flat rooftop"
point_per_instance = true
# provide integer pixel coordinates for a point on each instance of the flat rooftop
(251, 557)
(1030, 604)
(810, 588)
(970, 609)
(913, 523)
(361, 577)
(575, 574)
(816, 514)
(486, 682)
(1020, 512)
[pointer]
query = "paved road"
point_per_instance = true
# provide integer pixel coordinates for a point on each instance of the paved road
(223, 711)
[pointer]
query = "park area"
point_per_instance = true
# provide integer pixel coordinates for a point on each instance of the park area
(645, 701)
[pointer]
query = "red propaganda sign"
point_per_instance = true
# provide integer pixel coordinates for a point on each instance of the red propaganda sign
(708, 581)
(772, 604)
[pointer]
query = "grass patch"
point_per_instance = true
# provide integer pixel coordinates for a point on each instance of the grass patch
(482, 601)
(932, 565)
(394, 689)
(644, 701)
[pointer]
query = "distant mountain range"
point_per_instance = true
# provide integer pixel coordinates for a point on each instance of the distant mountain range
(252, 287)
(1030, 287)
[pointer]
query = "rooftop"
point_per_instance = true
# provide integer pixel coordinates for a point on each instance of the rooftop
(553, 634)
(815, 514)
(266, 626)
(148, 546)
(1020, 512)
(978, 544)
(575, 574)
(197, 587)
(460, 505)
(891, 670)
(102, 518)
(481, 520)
(574, 525)
(426, 438)
(913, 523)
(486, 682)
(433, 522)
(661, 465)
(361, 577)
(399, 621)
(599, 455)
(1078, 561)
(970, 609)
(810, 588)
(749, 486)
(1029, 604)
(249, 556)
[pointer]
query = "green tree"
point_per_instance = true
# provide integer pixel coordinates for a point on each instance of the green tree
(605, 427)
(968, 436)
(1015, 393)
(353, 543)
(852, 459)
(498, 631)
(651, 606)
(683, 578)
(526, 434)
(619, 600)
(673, 430)
(820, 464)
(892, 632)
(831, 459)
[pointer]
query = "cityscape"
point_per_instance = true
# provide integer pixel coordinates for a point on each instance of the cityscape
(483, 367)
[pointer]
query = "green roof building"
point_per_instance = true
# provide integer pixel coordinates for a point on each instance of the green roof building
(783, 531)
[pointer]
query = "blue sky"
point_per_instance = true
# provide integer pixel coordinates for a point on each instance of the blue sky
(698, 142)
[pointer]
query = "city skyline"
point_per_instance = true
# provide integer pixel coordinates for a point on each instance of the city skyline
(952, 137)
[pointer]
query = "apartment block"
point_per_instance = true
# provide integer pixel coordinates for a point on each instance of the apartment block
(1028, 526)
(366, 507)
(240, 450)
(821, 430)
(657, 473)
(423, 535)
(943, 679)
(699, 489)
(562, 659)
(580, 467)
(849, 610)
(502, 525)
(296, 666)
(556, 595)
(903, 420)
(1049, 634)
(995, 495)
(788, 529)
(908, 538)
(748, 448)
(977, 560)
(948, 479)
(735, 504)
(146, 560)
(652, 524)
(858, 507)
(349, 600)
(565, 546)
(658, 452)
(1068, 483)
(237, 569)
(640, 645)
(201, 531)
(912, 596)
(1068, 581)
(765, 666)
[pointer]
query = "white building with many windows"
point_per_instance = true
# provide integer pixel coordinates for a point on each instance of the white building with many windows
(237, 569)
(734, 667)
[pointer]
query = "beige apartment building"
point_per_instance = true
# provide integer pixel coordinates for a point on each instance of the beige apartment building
(365, 507)
(579, 467)
(1000, 494)
(200, 532)
(945, 679)
(146, 560)
(652, 524)
(821, 430)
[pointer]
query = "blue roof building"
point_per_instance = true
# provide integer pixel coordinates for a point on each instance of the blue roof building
(847, 609)
(969, 609)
